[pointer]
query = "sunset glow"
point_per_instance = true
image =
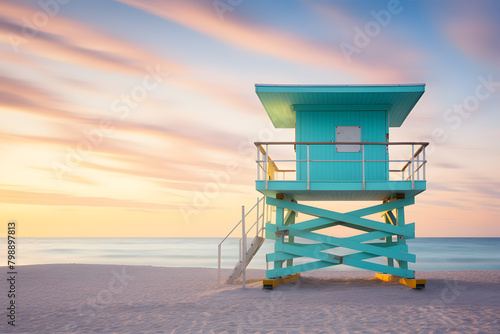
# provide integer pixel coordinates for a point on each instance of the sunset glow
(137, 118)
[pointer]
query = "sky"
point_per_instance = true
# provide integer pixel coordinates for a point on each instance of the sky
(137, 118)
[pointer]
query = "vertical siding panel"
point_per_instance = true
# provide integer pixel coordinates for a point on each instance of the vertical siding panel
(319, 126)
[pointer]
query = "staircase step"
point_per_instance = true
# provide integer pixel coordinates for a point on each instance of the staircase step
(250, 253)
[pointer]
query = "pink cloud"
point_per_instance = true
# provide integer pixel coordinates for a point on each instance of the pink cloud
(263, 39)
(23, 97)
(472, 27)
(180, 163)
(92, 49)
(390, 50)
(477, 39)
(61, 199)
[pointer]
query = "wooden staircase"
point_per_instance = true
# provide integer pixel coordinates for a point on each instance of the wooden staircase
(256, 214)
(252, 250)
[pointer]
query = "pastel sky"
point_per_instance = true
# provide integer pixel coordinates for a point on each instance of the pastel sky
(137, 118)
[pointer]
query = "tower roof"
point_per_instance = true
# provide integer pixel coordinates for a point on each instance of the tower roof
(283, 101)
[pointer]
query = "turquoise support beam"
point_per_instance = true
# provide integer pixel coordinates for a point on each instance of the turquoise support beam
(340, 242)
(297, 269)
(360, 212)
(278, 244)
(368, 236)
(388, 240)
(335, 216)
(312, 253)
(378, 267)
(271, 231)
(283, 256)
(315, 224)
(383, 207)
(271, 257)
(290, 220)
(400, 220)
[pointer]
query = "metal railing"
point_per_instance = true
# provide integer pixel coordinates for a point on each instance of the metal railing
(409, 171)
(259, 225)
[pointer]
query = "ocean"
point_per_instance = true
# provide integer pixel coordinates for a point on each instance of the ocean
(433, 254)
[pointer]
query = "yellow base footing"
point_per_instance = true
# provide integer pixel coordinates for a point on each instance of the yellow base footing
(411, 282)
(387, 278)
(272, 283)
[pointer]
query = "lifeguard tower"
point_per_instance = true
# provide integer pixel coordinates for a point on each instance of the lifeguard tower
(341, 152)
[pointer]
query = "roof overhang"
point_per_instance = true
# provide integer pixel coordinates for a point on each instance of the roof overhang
(283, 101)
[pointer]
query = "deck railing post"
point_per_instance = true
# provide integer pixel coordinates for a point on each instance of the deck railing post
(264, 212)
(412, 166)
(267, 213)
(418, 167)
(308, 171)
(423, 152)
(258, 162)
(243, 246)
(363, 158)
(403, 174)
(258, 218)
(267, 165)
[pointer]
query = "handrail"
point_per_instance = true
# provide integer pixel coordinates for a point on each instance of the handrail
(416, 170)
(260, 216)
(271, 161)
(248, 212)
(415, 155)
(270, 168)
(415, 161)
(425, 144)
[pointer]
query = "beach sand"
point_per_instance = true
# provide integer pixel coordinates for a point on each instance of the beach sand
(76, 298)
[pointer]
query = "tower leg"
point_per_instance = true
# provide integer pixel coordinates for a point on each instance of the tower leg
(278, 244)
(400, 221)
(290, 220)
(388, 241)
(289, 262)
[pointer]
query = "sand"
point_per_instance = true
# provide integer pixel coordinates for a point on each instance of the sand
(75, 298)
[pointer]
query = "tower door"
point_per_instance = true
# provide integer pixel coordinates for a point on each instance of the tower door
(348, 134)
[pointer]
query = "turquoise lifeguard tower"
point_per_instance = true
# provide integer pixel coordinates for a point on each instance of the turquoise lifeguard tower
(341, 152)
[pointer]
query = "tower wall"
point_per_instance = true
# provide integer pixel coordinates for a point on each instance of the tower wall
(321, 126)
